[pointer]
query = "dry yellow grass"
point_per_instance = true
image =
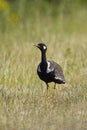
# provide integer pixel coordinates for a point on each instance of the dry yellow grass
(23, 105)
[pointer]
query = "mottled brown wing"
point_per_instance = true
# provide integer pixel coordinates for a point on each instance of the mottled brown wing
(58, 71)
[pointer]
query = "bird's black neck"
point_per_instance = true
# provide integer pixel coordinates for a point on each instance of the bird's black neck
(43, 61)
(43, 57)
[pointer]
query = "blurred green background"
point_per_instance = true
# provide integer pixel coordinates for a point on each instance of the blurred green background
(66, 15)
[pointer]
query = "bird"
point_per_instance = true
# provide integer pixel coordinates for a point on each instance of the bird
(49, 71)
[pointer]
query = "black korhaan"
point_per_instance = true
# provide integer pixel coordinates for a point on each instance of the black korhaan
(49, 71)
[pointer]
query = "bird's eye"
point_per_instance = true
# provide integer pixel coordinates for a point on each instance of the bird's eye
(44, 47)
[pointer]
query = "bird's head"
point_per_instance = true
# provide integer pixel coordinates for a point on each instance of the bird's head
(41, 46)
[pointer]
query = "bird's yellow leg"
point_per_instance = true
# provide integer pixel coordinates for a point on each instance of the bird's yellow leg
(47, 89)
(55, 91)
(46, 93)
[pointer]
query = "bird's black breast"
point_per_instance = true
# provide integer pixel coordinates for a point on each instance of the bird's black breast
(46, 77)
(51, 73)
(45, 73)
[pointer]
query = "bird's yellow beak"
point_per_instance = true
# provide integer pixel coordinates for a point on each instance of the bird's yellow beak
(36, 45)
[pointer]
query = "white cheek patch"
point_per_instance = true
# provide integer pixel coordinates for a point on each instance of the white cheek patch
(44, 47)
(48, 68)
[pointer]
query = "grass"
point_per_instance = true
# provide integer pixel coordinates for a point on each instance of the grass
(23, 105)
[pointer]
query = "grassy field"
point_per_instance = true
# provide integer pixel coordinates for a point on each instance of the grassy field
(23, 105)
